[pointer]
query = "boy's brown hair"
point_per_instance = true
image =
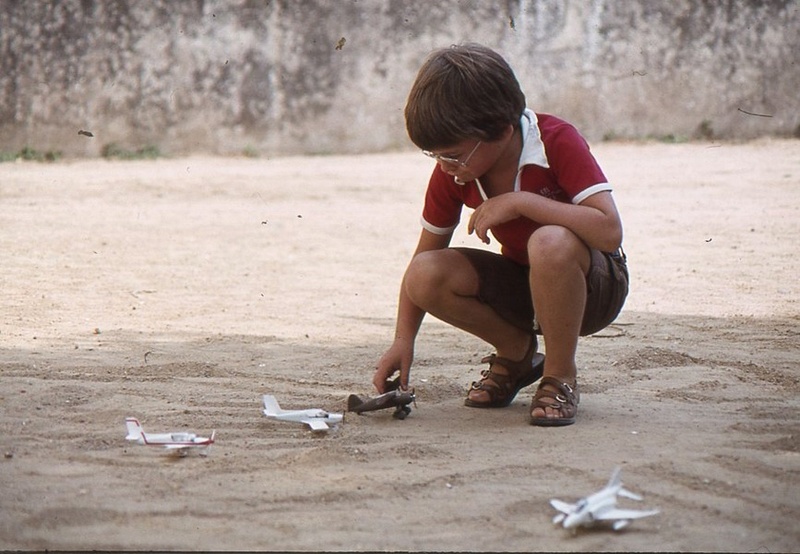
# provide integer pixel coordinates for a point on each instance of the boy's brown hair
(462, 92)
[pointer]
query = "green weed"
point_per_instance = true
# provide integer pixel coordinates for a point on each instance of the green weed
(114, 151)
(31, 154)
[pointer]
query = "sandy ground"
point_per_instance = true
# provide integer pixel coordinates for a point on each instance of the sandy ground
(179, 291)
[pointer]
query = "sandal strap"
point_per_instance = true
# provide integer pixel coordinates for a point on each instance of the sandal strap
(503, 387)
(564, 399)
(514, 368)
(567, 396)
(500, 380)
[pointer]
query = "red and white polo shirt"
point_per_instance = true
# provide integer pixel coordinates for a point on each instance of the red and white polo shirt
(555, 162)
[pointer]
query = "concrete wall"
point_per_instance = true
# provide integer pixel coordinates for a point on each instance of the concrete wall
(303, 76)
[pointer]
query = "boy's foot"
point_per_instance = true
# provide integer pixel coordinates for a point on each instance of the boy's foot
(555, 403)
(503, 380)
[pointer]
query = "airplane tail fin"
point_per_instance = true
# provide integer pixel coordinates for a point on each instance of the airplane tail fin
(616, 480)
(353, 403)
(135, 431)
(271, 406)
(207, 449)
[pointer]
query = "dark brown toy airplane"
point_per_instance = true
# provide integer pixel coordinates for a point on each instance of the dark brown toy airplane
(394, 398)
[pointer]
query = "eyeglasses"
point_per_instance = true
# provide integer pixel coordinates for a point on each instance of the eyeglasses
(452, 161)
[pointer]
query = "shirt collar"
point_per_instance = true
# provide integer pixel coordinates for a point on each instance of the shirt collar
(532, 145)
(532, 149)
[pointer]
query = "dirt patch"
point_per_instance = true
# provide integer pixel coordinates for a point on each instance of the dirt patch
(180, 291)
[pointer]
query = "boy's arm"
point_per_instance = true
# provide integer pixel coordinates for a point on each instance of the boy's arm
(595, 220)
(409, 318)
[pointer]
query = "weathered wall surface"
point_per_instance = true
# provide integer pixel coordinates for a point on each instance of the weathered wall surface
(323, 76)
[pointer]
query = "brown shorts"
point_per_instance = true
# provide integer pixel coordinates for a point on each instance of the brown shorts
(505, 287)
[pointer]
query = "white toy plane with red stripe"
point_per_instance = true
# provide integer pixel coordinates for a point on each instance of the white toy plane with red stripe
(179, 442)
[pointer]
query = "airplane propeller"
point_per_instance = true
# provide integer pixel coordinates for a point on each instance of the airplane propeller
(402, 411)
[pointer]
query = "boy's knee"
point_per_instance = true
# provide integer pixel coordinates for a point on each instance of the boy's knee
(554, 246)
(424, 271)
(433, 272)
(422, 266)
(550, 240)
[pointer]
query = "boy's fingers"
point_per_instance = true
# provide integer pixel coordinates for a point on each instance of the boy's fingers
(404, 379)
(379, 380)
(481, 234)
(473, 220)
(474, 227)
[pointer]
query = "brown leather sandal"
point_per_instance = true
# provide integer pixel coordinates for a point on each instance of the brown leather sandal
(565, 400)
(503, 388)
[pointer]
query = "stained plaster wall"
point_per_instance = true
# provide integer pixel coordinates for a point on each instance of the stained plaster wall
(316, 76)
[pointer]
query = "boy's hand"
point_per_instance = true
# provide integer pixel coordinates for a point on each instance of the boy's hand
(493, 211)
(397, 358)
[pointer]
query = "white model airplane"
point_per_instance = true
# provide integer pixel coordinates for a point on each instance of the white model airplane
(599, 507)
(318, 420)
(179, 442)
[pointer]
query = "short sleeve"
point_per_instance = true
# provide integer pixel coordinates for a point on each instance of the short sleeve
(443, 203)
(575, 168)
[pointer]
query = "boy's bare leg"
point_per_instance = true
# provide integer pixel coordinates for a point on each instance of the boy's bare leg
(444, 284)
(558, 289)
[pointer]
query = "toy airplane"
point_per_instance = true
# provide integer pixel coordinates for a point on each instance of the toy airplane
(179, 442)
(599, 507)
(318, 420)
(394, 398)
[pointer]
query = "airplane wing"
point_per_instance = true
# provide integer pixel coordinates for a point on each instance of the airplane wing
(617, 513)
(562, 506)
(176, 446)
(316, 424)
(628, 494)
